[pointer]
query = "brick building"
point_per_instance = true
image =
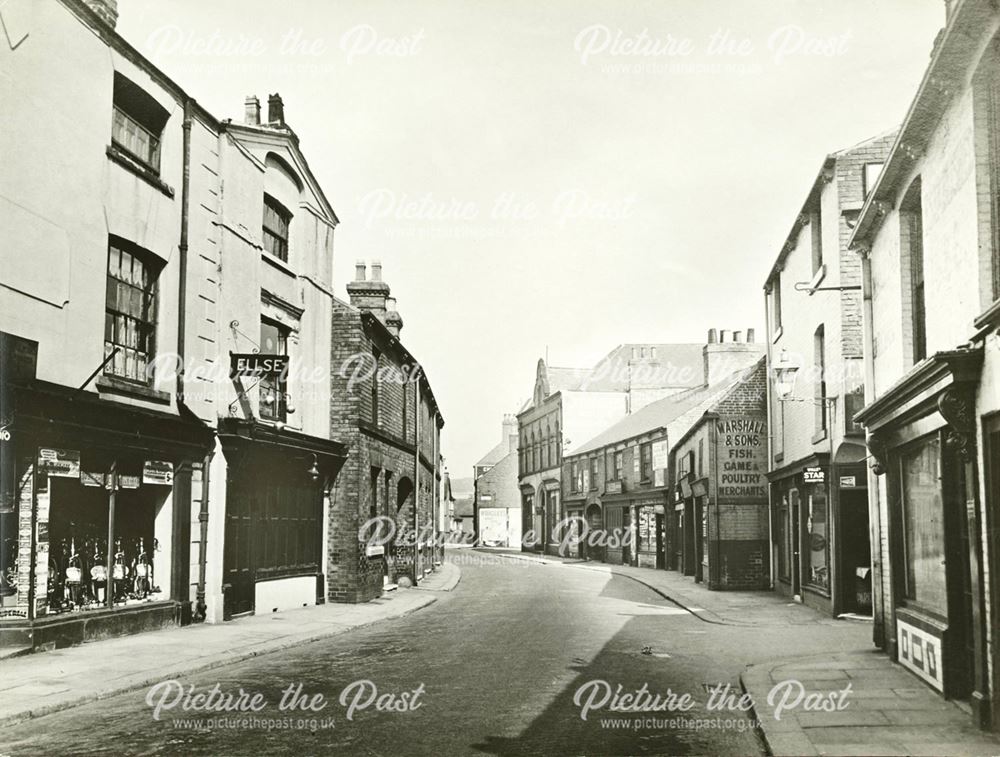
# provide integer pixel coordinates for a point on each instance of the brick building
(384, 410)
(496, 494)
(719, 509)
(619, 481)
(820, 519)
(573, 404)
(928, 241)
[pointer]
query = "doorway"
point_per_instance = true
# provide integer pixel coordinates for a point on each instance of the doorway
(854, 564)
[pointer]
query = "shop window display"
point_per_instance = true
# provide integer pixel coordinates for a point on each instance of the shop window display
(923, 525)
(817, 525)
(74, 515)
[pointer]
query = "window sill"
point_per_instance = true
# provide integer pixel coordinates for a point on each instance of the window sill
(819, 436)
(122, 158)
(279, 264)
(780, 457)
(114, 385)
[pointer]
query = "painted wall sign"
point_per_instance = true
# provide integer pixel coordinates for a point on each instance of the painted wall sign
(742, 458)
(63, 463)
(256, 364)
(158, 472)
(660, 455)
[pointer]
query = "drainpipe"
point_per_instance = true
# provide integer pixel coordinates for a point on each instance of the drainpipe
(434, 494)
(182, 250)
(874, 522)
(416, 484)
(200, 608)
(770, 441)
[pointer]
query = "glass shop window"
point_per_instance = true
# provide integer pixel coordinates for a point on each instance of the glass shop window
(818, 534)
(923, 525)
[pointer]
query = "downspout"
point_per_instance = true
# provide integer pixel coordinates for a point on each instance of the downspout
(416, 485)
(434, 493)
(770, 442)
(874, 520)
(200, 608)
(182, 250)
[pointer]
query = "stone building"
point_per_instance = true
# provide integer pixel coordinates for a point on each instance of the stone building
(928, 242)
(384, 410)
(820, 520)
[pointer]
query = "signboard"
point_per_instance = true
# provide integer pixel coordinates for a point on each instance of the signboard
(91, 479)
(742, 445)
(256, 364)
(847, 482)
(813, 476)
(660, 455)
(659, 477)
(63, 463)
(158, 472)
(613, 487)
(485, 497)
(128, 482)
(372, 550)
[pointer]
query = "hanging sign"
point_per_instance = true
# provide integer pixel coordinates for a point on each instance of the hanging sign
(63, 463)
(256, 364)
(128, 482)
(158, 472)
(813, 476)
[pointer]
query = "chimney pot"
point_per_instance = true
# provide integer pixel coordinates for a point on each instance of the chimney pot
(376, 270)
(737, 336)
(360, 271)
(750, 336)
(712, 338)
(275, 110)
(252, 110)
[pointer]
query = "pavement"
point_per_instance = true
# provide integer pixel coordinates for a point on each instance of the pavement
(46, 682)
(888, 711)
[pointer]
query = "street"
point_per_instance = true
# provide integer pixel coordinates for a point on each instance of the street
(491, 668)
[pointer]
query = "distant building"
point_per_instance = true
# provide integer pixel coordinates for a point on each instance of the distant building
(620, 480)
(569, 405)
(497, 497)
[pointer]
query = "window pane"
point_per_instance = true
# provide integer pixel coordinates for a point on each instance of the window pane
(817, 525)
(923, 525)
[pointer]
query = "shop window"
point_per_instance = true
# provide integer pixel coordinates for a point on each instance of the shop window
(817, 525)
(923, 525)
(130, 311)
(273, 386)
(137, 123)
(275, 228)
(646, 462)
(85, 569)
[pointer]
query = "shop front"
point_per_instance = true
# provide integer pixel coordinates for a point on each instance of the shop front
(276, 498)
(102, 501)
(922, 436)
(648, 517)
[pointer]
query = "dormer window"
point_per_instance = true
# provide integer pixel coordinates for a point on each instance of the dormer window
(137, 125)
(275, 233)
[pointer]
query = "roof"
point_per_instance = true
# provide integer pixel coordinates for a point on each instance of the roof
(658, 415)
(812, 198)
(496, 454)
(954, 50)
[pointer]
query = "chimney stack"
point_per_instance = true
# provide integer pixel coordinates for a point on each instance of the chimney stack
(370, 295)
(510, 432)
(712, 338)
(724, 358)
(252, 117)
(106, 9)
(275, 110)
(393, 320)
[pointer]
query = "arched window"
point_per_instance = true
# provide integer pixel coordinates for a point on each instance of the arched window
(545, 448)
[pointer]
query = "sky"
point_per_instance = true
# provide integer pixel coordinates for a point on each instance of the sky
(553, 177)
